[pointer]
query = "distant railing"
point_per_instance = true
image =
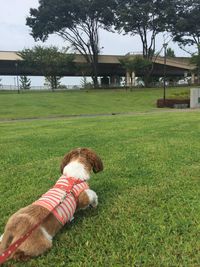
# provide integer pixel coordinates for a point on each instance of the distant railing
(180, 83)
(42, 88)
(8, 87)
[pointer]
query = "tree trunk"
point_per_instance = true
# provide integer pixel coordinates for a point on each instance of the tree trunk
(95, 73)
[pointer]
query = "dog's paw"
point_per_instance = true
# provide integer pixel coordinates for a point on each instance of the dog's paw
(93, 198)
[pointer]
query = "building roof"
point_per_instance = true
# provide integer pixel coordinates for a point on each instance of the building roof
(9, 55)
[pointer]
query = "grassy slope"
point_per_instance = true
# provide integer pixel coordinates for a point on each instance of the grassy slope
(149, 210)
(31, 105)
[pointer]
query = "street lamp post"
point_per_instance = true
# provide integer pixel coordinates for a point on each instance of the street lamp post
(16, 67)
(164, 73)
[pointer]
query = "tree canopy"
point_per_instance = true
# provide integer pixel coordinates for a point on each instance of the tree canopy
(146, 19)
(77, 21)
(50, 60)
(143, 18)
(185, 23)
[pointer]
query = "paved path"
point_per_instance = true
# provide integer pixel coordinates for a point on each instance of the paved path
(100, 115)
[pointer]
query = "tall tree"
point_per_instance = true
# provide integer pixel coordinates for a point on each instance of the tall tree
(76, 21)
(146, 19)
(184, 23)
(143, 18)
(49, 60)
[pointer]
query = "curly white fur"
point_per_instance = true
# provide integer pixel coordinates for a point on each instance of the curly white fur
(76, 169)
(93, 198)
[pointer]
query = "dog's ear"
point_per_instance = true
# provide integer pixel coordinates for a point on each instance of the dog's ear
(95, 160)
(67, 158)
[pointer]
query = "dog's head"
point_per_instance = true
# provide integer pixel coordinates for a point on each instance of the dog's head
(85, 156)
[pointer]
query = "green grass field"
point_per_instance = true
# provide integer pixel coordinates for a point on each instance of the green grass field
(48, 104)
(149, 191)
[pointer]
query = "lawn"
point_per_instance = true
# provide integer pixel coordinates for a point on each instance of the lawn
(49, 104)
(149, 192)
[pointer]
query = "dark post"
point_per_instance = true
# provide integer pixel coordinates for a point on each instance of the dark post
(164, 73)
(18, 89)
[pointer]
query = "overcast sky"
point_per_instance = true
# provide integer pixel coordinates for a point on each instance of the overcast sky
(15, 35)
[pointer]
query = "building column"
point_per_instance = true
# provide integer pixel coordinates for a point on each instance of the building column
(193, 78)
(133, 79)
(128, 79)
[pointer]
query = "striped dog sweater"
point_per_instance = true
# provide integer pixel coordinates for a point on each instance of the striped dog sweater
(61, 200)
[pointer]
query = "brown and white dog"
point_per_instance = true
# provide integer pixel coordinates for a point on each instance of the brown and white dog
(77, 164)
